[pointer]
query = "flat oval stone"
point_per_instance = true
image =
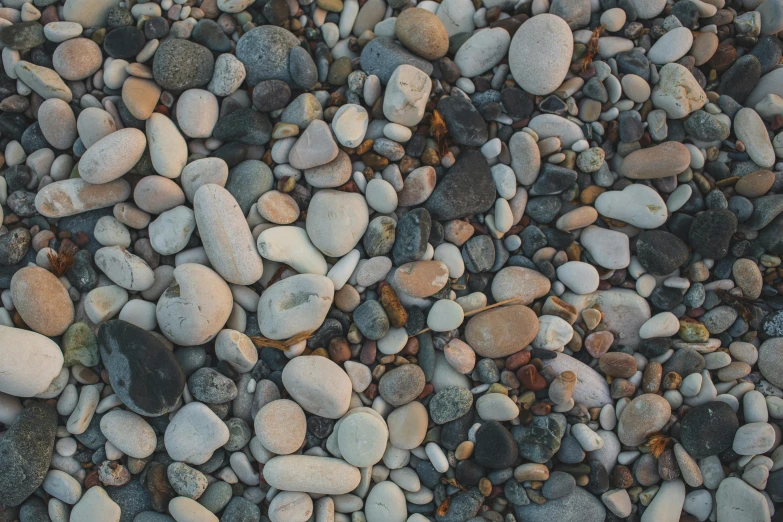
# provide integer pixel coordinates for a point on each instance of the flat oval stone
(291, 245)
(402, 385)
(655, 162)
(362, 439)
(318, 385)
(129, 433)
(126, 270)
(636, 204)
(145, 375)
(281, 426)
(310, 474)
(501, 331)
(336, 221)
(421, 278)
(423, 33)
(386, 503)
(644, 415)
(227, 239)
(74, 196)
(112, 156)
(58, 124)
(540, 53)
(482, 51)
(195, 307)
(42, 301)
(29, 362)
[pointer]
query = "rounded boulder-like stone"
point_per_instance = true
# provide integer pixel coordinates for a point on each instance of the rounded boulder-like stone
(295, 305)
(540, 53)
(318, 385)
(422, 32)
(501, 331)
(145, 375)
(336, 221)
(112, 156)
(42, 301)
(281, 426)
(29, 362)
(195, 307)
(644, 415)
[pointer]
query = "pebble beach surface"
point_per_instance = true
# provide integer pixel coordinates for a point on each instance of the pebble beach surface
(391, 261)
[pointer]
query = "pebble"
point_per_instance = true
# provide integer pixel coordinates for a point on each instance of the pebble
(540, 53)
(328, 396)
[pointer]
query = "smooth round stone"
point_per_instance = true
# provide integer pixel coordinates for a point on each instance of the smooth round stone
(124, 269)
(60, 31)
(171, 231)
(393, 342)
(291, 245)
(520, 283)
(294, 305)
(609, 248)
(750, 129)
(736, 498)
(29, 362)
(42, 301)
(197, 113)
(444, 316)
(58, 124)
(350, 125)
(770, 360)
(660, 252)
(386, 503)
(311, 474)
(315, 147)
(754, 438)
(195, 307)
(540, 53)
(402, 385)
(94, 124)
(336, 221)
(265, 53)
(704, 47)
(318, 385)
(656, 162)
(644, 415)
(227, 239)
(408, 425)
(129, 433)
(664, 324)
(62, 486)
(647, 9)
(281, 426)
(671, 46)
(112, 156)
(482, 51)
(184, 509)
(496, 407)
(104, 302)
(635, 88)
(290, 506)
(194, 434)
(43, 81)
(501, 331)
(422, 32)
(74, 196)
(180, 64)
(168, 149)
(418, 186)
(333, 174)
(228, 75)
(406, 96)
(421, 278)
(668, 502)
(362, 439)
(77, 59)
(139, 95)
(95, 504)
(636, 204)
(579, 277)
(139, 313)
(202, 172)
(381, 196)
(553, 333)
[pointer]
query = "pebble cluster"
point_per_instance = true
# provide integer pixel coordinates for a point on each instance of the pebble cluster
(391, 261)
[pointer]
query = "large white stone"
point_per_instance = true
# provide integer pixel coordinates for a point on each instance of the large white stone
(318, 385)
(540, 53)
(291, 245)
(227, 239)
(407, 93)
(750, 129)
(310, 474)
(95, 504)
(667, 504)
(609, 248)
(168, 149)
(112, 156)
(482, 51)
(129, 433)
(171, 230)
(736, 500)
(677, 92)
(624, 311)
(336, 221)
(295, 305)
(194, 434)
(637, 205)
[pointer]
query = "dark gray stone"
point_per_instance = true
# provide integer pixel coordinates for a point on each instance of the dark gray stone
(411, 235)
(450, 403)
(383, 55)
(465, 190)
(181, 64)
(579, 506)
(265, 52)
(463, 121)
